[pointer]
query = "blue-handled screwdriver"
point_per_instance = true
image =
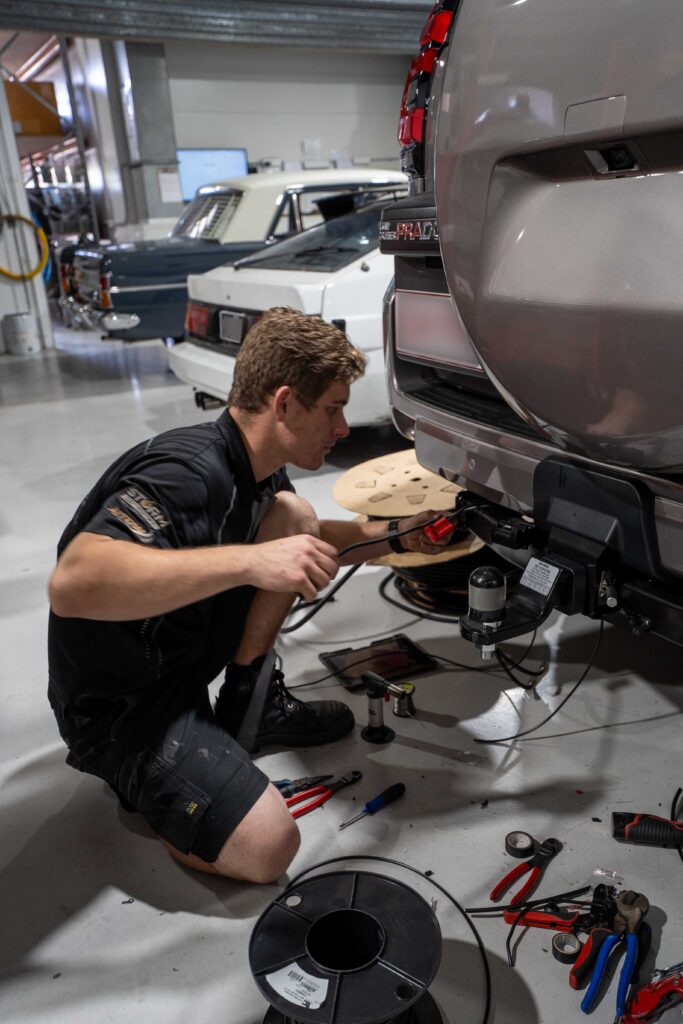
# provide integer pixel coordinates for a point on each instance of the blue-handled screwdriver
(378, 802)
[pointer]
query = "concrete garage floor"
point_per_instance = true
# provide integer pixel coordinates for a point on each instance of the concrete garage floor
(100, 925)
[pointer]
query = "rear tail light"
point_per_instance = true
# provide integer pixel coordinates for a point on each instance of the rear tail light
(65, 277)
(197, 319)
(436, 29)
(105, 297)
(415, 101)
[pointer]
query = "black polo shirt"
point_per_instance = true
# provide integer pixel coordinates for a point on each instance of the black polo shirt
(189, 487)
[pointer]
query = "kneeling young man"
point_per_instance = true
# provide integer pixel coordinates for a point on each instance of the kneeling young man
(182, 562)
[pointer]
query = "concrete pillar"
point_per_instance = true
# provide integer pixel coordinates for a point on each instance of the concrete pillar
(149, 131)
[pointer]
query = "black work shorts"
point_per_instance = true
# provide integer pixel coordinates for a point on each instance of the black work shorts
(193, 785)
(160, 748)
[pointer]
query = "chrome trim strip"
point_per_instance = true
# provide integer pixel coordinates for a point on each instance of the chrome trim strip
(117, 290)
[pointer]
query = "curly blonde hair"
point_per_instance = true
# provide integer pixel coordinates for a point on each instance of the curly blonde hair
(286, 346)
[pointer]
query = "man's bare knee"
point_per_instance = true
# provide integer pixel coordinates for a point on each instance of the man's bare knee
(290, 515)
(264, 843)
(260, 849)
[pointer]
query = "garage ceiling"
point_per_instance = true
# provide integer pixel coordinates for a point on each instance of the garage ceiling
(391, 26)
(17, 50)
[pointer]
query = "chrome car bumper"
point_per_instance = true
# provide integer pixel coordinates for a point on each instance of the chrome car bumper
(81, 316)
(501, 466)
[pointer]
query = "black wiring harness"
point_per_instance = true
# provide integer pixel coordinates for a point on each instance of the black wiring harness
(508, 665)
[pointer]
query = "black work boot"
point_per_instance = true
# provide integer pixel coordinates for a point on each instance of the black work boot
(285, 721)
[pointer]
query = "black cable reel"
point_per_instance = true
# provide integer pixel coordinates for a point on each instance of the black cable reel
(348, 947)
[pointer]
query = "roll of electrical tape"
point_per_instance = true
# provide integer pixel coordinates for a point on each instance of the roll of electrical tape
(566, 947)
(520, 844)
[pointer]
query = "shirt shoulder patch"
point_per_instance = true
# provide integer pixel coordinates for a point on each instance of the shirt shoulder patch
(135, 528)
(144, 508)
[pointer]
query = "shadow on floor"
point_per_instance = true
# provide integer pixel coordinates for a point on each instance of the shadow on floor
(70, 849)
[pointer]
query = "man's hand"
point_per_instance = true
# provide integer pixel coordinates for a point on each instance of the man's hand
(302, 564)
(418, 540)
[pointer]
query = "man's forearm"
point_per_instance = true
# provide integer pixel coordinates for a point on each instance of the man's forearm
(116, 580)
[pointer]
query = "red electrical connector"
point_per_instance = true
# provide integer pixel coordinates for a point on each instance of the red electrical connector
(441, 528)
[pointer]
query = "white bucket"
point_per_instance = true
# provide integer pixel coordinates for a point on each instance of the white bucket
(20, 331)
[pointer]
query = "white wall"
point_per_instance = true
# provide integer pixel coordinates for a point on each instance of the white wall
(269, 99)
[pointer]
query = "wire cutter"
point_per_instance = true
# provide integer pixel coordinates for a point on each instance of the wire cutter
(319, 795)
(288, 787)
(535, 866)
(663, 992)
(560, 919)
(631, 908)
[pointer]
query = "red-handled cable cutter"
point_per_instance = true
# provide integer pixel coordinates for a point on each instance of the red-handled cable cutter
(319, 795)
(535, 866)
(601, 914)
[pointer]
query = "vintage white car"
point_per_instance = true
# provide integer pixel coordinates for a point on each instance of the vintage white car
(334, 271)
(137, 290)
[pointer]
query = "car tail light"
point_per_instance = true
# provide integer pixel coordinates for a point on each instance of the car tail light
(65, 277)
(197, 319)
(438, 24)
(105, 297)
(415, 101)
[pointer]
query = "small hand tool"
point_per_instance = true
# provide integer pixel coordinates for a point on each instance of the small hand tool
(378, 802)
(288, 787)
(319, 795)
(603, 909)
(631, 908)
(646, 830)
(649, 1003)
(535, 866)
(598, 925)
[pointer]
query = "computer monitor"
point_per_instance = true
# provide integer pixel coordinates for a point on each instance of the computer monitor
(197, 167)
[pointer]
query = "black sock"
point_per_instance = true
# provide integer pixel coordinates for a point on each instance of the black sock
(242, 678)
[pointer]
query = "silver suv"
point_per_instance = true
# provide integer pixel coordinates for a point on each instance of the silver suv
(534, 340)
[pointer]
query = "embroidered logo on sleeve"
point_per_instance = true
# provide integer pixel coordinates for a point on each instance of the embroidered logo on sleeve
(128, 521)
(144, 508)
(144, 516)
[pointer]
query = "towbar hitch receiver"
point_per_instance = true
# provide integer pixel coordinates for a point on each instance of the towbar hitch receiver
(492, 618)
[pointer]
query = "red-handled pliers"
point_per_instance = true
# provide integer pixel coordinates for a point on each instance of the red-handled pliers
(319, 795)
(535, 866)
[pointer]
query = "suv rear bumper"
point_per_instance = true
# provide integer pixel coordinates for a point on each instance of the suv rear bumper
(500, 464)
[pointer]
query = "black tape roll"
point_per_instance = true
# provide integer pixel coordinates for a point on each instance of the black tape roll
(520, 844)
(566, 947)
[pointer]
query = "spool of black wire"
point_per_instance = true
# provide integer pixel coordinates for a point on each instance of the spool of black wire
(442, 588)
(349, 947)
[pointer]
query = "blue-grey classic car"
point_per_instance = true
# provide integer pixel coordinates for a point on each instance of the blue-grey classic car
(138, 290)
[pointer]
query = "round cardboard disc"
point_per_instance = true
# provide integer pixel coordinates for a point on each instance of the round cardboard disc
(394, 485)
(414, 560)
